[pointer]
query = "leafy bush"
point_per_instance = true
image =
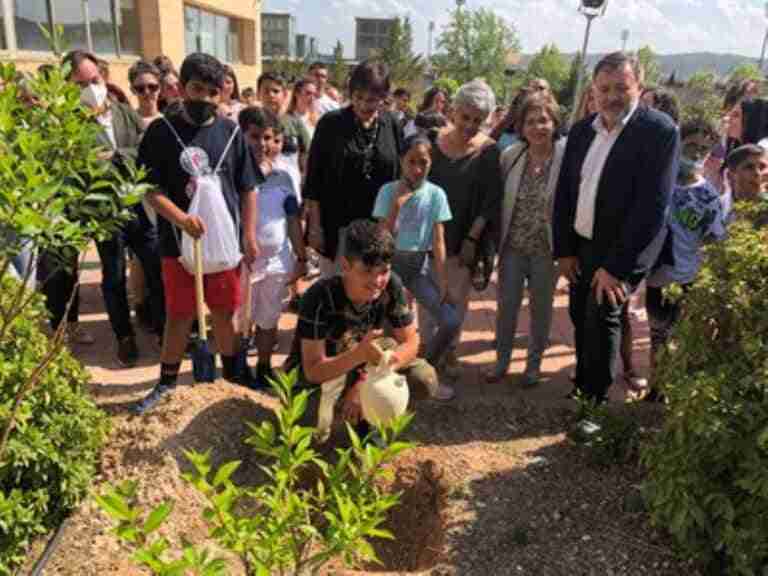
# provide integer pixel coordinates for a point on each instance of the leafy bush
(708, 468)
(308, 512)
(51, 455)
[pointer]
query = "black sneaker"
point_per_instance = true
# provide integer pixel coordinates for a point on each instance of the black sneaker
(152, 399)
(264, 374)
(127, 352)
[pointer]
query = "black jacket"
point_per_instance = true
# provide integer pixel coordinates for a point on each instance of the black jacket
(633, 195)
(330, 165)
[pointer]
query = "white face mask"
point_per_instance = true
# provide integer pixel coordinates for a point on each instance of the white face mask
(94, 95)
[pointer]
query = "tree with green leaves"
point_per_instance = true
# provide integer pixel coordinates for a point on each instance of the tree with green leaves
(567, 97)
(650, 65)
(405, 66)
(746, 71)
(449, 85)
(550, 64)
(286, 67)
(338, 70)
(476, 44)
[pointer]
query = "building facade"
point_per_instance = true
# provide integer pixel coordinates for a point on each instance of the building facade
(123, 31)
(371, 35)
(277, 35)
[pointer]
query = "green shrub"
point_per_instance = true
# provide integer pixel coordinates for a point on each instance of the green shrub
(708, 468)
(52, 451)
(308, 512)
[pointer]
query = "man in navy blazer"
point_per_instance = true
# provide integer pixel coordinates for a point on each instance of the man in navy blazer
(610, 213)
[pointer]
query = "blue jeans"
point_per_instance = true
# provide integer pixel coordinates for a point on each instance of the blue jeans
(515, 271)
(141, 237)
(414, 270)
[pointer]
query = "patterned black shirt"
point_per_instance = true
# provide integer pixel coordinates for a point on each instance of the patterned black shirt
(327, 314)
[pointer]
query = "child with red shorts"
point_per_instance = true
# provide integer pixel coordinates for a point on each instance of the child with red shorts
(174, 151)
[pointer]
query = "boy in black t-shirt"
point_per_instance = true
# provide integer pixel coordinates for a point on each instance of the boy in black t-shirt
(175, 151)
(340, 327)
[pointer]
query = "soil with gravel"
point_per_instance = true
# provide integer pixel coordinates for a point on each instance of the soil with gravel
(495, 487)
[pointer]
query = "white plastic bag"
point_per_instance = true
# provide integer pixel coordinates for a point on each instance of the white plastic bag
(220, 244)
(384, 393)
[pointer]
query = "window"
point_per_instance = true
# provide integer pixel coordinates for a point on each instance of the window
(29, 15)
(100, 26)
(211, 33)
(126, 19)
(71, 15)
(3, 42)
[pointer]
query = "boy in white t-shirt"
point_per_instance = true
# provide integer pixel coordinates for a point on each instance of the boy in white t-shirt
(282, 258)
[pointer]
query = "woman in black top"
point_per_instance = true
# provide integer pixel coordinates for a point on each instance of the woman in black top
(354, 152)
(465, 163)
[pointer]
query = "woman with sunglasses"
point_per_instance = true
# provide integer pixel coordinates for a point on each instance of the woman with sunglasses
(145, 85)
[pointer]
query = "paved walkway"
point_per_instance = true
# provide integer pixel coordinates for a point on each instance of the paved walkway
(475, 350)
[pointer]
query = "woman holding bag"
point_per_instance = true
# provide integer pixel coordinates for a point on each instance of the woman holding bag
(531, 169)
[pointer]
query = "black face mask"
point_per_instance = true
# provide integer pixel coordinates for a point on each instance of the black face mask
(200, 111)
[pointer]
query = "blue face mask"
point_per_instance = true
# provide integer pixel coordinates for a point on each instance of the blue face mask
(690, 167)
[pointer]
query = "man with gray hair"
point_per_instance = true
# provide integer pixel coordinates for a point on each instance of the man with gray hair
(610, 213)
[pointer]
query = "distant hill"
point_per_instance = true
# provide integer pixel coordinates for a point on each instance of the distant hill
(684, 65)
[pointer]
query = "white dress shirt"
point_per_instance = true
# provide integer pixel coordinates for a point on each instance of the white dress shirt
(592, 170)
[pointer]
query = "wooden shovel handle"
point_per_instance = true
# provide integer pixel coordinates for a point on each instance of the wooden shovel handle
(200, 290)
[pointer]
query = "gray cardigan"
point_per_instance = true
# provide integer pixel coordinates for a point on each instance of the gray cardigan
(512, 176)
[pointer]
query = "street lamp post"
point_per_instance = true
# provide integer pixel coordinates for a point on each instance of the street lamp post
(624, 39)
(591, 10)
(765, 42)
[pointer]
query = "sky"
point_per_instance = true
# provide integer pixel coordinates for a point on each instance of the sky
(668, 26)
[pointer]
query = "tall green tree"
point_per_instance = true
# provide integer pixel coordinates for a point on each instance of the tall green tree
(476, 44)
(746, 71)
(550, 64)
(567, 97)
(406, 67)
(338, 70)
(650, 65)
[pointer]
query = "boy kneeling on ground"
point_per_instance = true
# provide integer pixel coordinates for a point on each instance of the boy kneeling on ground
(339, 331)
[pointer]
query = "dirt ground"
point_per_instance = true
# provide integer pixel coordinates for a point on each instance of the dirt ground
(494, 488)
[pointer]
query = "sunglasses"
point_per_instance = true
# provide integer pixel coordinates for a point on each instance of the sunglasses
(146, 88)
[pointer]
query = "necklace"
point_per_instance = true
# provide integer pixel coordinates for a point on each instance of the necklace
(538, 166)
(366, 139)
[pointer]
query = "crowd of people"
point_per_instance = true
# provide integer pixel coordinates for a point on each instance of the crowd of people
(403, 213)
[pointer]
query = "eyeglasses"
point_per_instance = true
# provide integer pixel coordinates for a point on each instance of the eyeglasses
(146, 88)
